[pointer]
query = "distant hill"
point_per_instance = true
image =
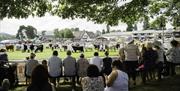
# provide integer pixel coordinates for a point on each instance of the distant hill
(4, 36)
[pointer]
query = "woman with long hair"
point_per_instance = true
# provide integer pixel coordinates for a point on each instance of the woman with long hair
(93, 81)
(39, 81)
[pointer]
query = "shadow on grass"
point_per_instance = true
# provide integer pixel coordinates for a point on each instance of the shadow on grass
(166, 84)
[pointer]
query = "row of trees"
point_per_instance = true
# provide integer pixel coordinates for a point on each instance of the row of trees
(64, 33)
(30, 32)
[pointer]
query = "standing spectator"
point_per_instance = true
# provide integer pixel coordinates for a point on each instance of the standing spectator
(82, 65)
(27, 77)
(30, 65)
(107, 61)
(160, 60)
(69, 64)
(173, 56)
(39, 80)
(149, 57)
(117, 80)
(96, 60)
(130, 55)
(55, 67)
(93, 82)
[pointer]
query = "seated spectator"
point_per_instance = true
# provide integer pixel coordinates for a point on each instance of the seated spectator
(117, 80)
(44, 63)
(39, 81)
(82, 65)
(5, 85)
(30, 65)
(69, 64)
(55, 67)
(96, 60)
(3, 56)
(93, 82)
(107, 61)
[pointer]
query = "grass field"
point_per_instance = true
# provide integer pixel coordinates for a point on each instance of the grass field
(18, 55)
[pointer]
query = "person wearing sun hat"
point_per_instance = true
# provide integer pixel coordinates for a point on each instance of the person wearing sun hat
(130, 54)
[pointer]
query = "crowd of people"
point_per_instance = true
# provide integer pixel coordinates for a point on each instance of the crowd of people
(104, 74)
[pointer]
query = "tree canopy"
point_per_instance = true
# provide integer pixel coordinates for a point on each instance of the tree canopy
(99, 11)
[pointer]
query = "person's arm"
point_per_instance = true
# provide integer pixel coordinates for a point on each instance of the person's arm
(84, 82)
(61, 67)
(137, 52)
(121, 54)
(112, 77)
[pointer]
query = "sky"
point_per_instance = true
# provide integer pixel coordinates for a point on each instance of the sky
(49, 23)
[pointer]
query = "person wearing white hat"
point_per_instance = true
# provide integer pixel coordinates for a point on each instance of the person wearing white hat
(130, 54)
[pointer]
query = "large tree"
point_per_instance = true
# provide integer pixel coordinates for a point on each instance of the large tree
(165, 11)
(28, 32)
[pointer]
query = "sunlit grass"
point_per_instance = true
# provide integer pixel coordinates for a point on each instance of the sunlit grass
(18, 55)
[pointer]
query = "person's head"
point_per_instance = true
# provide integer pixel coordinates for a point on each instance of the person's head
(130, 40)
(149, 45)
(157, 44)
(55, 53)
(106, 53)
(157, 47)
(32, 56)
(39, 76)
(96, 54)
(92, 71)
(117, 64)
(6, 84)
(69, 53)
(27, 58)
(82, 56)
(174, 43)
(44, 62)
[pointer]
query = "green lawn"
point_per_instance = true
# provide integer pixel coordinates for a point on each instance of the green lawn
(18, 55)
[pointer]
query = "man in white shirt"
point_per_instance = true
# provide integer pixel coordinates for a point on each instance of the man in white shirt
(55, 67)
(96, 60)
